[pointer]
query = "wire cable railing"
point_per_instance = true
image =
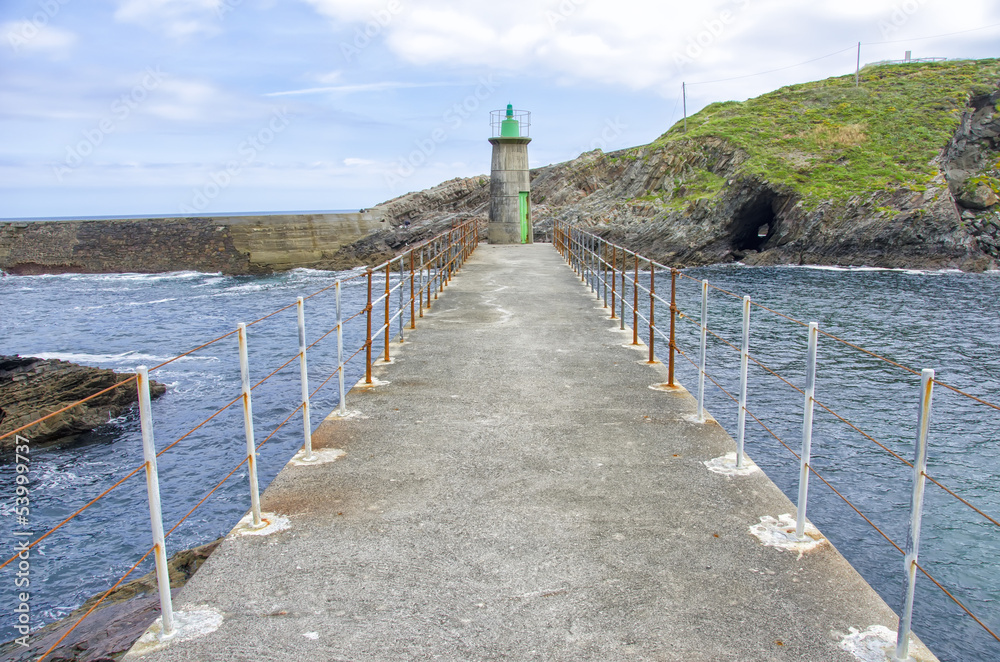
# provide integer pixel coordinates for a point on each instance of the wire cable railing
(626, 281)
(425, 269)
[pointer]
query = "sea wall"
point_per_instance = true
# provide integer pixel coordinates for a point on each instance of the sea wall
(232, 244)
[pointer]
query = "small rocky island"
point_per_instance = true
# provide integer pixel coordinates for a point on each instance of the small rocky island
(31, 388)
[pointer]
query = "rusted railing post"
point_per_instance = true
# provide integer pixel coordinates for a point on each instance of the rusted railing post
(386, 319)
(635, 302)
(402, 298)
(368, 341)
(304, 382)
(155, 514)
(621, 317)
(423, 285)
(604, 263)
(614, 279)
(652, 310)
(916, 512)
(673, 321)
(413, 307)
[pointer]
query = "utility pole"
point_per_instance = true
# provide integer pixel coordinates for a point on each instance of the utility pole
(857, 71)
(684, 95)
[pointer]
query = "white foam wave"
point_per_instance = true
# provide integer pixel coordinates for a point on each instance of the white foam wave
(124, 357)
(127, 277)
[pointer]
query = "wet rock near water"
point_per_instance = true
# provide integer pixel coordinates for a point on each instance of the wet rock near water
(31, 388)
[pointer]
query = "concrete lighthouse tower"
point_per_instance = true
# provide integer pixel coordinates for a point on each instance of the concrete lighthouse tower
(510, 191)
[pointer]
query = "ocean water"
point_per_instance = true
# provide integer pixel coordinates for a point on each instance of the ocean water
(947, 321)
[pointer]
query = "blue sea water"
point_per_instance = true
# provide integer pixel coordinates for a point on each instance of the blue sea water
(947, 321)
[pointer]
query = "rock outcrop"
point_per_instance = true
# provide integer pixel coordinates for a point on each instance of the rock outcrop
(688, 201)
(31, 388)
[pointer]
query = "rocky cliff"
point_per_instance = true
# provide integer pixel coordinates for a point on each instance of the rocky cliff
(31, 388)
(232, 245)
(901, 171)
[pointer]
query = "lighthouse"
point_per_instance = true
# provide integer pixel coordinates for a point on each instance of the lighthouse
(510, 186)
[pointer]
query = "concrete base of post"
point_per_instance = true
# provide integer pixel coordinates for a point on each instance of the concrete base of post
(319, 456)
(271, 523)
(188, 624)
(877, 643)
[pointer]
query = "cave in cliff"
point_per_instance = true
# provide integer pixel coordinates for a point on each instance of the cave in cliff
(754, 223)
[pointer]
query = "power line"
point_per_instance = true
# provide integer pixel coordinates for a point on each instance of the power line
(771, 71)
(933, 36)
(849, 48)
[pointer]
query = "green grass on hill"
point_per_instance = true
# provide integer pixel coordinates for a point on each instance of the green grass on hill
(829, 140)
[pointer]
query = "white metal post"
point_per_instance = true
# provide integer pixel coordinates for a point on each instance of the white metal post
(340, 353)
(248, 426)
(155, 515)
(402, 279)
(916, 513)
(807, 424)
(304, 380)
(744, 359)
(704, 345)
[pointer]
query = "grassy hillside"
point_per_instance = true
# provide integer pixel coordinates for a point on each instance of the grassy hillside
(829, 140)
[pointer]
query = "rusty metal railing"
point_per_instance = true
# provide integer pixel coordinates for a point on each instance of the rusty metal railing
(424, 269)
(608, 268)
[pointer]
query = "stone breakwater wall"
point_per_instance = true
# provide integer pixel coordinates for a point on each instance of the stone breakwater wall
(232, 244)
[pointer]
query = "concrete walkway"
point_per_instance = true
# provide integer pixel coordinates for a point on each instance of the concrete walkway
(518, 492)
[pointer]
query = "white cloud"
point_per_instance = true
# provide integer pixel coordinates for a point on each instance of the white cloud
(362, 87)
(353, 162)
(33, 37)
(638, 44)
(176, 18)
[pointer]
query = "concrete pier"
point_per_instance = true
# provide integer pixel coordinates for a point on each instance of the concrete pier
(514, 489)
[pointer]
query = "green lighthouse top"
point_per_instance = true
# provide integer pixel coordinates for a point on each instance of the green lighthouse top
(510, 123)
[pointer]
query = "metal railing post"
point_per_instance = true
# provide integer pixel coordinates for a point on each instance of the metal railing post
(652, 311)
(424, 275)
(604, 269)
(614, 279)
(673, 324)
(635, 302)
(621, 317)
(413, 303)
(387, 306)
(368, 341)
(402, 298)
(304, 380)
(744, 359)
(704, 347)
(248, 425)
(807, 423)
(340, 353)
(916, 513)
(155, 514)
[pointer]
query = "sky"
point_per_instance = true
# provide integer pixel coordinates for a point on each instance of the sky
(187, 107)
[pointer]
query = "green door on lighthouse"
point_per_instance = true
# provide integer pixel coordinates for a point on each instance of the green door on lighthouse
(523, 215)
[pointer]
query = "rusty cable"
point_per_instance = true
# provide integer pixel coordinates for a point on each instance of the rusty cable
(956, 601)
(99, 601)
(80, 510)
(930, 478)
